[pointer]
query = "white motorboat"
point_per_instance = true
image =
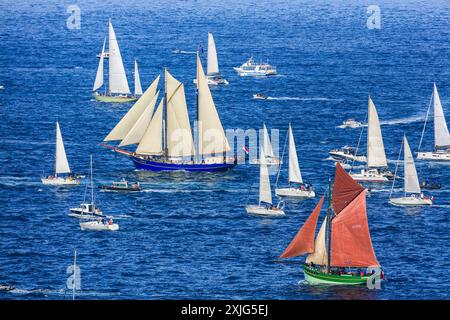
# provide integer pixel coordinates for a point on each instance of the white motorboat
(347, 153)
(351, 123)
(250, 68)
(62, 176)
(303, 190)
(259, 96)
(100, 225)
(441, 135)
(265, 207)
(411, 183)
(105, 55)
(377, 168)
(2, 87)
(213, 76)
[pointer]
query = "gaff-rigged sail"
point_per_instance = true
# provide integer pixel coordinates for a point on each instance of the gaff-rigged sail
(345, 189)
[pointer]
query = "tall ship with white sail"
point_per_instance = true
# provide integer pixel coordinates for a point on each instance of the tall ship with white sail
(441, 150)
(164, 137)
(213, 75)
(117, 89)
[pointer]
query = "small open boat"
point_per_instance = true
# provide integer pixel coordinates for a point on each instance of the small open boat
(351, 123)
(122, 186)
(100, 224)
(431, 184)
(6, 288)
(259, 96)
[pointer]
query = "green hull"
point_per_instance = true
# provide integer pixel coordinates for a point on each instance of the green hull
(114, 99)
(314, 276)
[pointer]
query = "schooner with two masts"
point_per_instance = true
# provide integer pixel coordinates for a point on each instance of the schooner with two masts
(164, 137)
(118, 89)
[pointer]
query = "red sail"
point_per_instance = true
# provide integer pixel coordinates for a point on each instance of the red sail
(303, 242)
(345, 189)
(351, 245)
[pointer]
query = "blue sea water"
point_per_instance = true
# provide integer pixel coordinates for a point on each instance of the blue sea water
(187, 235)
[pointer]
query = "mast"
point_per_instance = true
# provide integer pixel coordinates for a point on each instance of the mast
(198, 111)
(166, 151)
(92, 184)
(329, 227)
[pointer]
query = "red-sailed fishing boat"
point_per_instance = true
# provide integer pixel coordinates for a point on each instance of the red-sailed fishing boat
(342, 250)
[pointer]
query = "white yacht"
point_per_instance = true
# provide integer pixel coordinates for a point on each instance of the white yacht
(441, 135)
(250, 68)
(101, 224)
(347, 153)
(413, 195)
(351, 123)
(213, 75)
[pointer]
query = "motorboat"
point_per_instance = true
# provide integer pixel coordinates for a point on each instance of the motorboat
(347, 153)
(100, 224)
(259, 96)
(86, 211)
(351, 123)
(250, 68)
(122, 186)
(430, 184)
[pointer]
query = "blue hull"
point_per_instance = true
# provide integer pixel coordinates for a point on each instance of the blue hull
(143, 164)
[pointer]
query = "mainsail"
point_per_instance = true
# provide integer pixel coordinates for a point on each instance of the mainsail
(212, 138)
(127, 122)
(376, 156)
(151, 142)
(303, 242)
(345, 189)
(137, 80)
(319, 256)
(441, 134)
(265, 192)
(294, 168)
(411, 181)
(266, 142)
(118, 82)
(61, 163)
(213, 65)
(99, 76)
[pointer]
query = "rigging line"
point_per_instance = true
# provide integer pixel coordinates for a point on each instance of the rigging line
(425, 124)
(282, 159)
(396, 169)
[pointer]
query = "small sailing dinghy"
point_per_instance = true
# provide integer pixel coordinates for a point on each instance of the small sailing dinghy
(303, 190)
(413, 196)
(101, 224)
(213, 76)
(265, 208)
(61, 165)
(122, 186)
(164, 137)
(441, 135)
(342, 249)
(118, 90)
(87, 210)
(377, 168)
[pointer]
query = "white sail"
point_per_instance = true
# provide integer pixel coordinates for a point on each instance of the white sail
(268, 151)
(137, 131)
(127, 122)
(376, 156)
(151, 142)
(118, 82)
(265, 192)
(61, 163)
(179, 135)
(319, 256)
(212, 138)
(213, 64)
(411, 181)
(99, 76)
(441, 134)
(137, 80)
(294, 168)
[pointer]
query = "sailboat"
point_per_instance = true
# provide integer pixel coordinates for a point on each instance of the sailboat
(269, 158)
(118, 90)
(213, 76)
(87, 210)
(137, 81)
(342, 247)
(265, 207)
(441, 135)
(61, 165)
(303, 190)
(411, 184)
(164, 137)
(377, 168)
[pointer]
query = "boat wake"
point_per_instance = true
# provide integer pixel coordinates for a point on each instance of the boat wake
(411, 119)
(302, 99)
(183, 52)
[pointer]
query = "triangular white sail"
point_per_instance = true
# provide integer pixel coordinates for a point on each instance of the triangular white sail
(266, 142)
(376, 157)
(61, 163)
(265, 192)
(179, 135)
(411, 181)
(213, 64)
(151, 142)
(137, 131)
(127, 122)
(137, 80)
(99, 76)
(319, 256)
(212, 138)
(118, 82)
(294, 168)
(441, 134)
